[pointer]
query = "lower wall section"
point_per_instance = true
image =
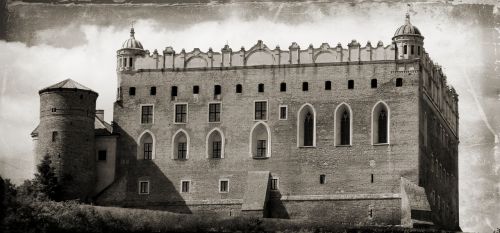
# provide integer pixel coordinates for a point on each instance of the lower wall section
(358, 210)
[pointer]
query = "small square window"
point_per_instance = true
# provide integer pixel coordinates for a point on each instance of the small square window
(239, 88)
(54, 136)
(374, 83)
(152, 91)
(131, 91)
(283, 112)
(399, 82)
(53, 110)
(196, 89)
(350, 84)
(261, 110)
(185, 186)
(328, 85)
(223, 186)
(261, 87)
(322, 179)
(214, 112)
(305, 86)
(180, 113)
(283, 87)
(147, 114)
(143, 187)
(274, 183)
(101, 155)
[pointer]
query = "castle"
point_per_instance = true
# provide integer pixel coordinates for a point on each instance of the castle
(357, 135)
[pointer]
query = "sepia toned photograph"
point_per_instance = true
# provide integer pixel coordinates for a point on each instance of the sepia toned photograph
(249, 116)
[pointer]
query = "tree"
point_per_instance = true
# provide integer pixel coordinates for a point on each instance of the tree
(45, 181)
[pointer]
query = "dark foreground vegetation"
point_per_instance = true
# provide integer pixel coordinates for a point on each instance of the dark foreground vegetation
(34, 206)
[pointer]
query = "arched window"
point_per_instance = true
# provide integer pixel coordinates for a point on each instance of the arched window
(380, 123)
(239, 88)
(283, 87)
(261, 87)
(306, 126)
(260, 141)
(215, 144)
(180, 145)
(343, 125)
(146, 147)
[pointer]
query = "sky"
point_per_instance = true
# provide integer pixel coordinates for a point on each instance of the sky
(86, 52)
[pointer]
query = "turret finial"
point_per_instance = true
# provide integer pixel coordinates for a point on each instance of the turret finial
(407, 20)
(132, 32)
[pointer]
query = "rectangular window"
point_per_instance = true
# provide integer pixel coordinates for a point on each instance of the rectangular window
(216, 149)
(261, 148)
(374, 83)
(196, 89)
(181, 150)
(152, 91)
(214, 112)
(180, 113)
(328, 85)
(412, 49)
(185, 186)
(143, 187)
(54, 136)
(322, 179)
(283, 112)
(405, 49)
(223, 186)
(274, 183)
(418, 50)
(173, 92)
(101, 155)
(217, 90)
(372, 178)
(350, 84)
(261, 110)
(147, 114)
(148, 151)
(131, 91)
(305, 86)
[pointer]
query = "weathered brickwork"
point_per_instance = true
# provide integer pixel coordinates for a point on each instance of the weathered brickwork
(407, 177)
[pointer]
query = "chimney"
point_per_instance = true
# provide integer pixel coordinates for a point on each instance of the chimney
(99, 114)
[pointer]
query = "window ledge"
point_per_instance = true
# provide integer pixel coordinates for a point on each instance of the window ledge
(180, 123)
(214, 122)
(381, 144)
(307, 147)
(343, 146)
(180, 159)
(259, 158)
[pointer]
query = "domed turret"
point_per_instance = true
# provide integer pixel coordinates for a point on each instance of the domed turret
(408, 40)
(131, 48)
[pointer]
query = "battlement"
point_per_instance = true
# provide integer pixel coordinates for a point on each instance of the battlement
(261, 55)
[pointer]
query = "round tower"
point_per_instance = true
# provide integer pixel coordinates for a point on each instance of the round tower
(408, 40)
(66, 135)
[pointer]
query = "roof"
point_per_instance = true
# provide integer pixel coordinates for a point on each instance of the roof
(101, 128)
(66, 84)
(132, 43)
(407, 29)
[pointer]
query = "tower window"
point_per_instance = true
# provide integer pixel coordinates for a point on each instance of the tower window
(54, 136)
(217, 91)
(305, 86)
(224, 186)
(283, 112)
(399, 82)
(185, 186)
(180, 113)
(261, 110)
(147, 114)
(130, 62)
(283, 87)
(350, 84)
(101, 155)
(274, 183)
(152, 91)
(374, 83)
(412, 49)
(214, 112)
(372, 178)
(124, 59)
(131, 91)
(173, 92)
(328, 85)
(239, 88)
(405, 49)
(322, 179)
(418, 50)
(143, 187)
(261, 87)
(196, 89)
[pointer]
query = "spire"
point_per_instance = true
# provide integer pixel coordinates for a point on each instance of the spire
(132, 32)
(407, 20)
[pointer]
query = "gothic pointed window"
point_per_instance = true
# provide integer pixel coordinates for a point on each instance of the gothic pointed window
(260, 141)
(146, 146)
(308, 129)
(215, 144)
(306, 121)
(382, 127)
(380, 123)
(180, 145)
(345, 129)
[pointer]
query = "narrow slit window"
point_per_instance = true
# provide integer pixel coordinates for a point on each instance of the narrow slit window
(399, 82)
(217, 90)
(196, 89)
(418, 50)
(152, 91)
(239, 88)
(131, 91)
(322, 179)
(283, 112)
(305, 86)
(372, 178)
(282, 87)
(412, 49)
(405, 49)
(54, 136)
(374, 83)
(274, 184)
(173, 92)
(261, 87)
